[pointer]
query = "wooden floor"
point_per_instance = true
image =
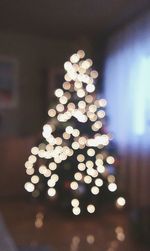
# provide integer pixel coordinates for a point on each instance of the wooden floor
(107, 231)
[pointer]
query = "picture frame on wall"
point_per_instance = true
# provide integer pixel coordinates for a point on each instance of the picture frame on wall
(8, 82)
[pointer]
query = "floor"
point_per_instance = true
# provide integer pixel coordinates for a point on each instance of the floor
(32, 225)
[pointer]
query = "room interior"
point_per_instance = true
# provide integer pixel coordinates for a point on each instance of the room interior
(36, 39)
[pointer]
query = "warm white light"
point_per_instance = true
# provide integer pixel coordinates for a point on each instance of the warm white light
(98, 182)
(94, 74)
(76, 210)
(87, 179)
(51, 183)
(71, 152)
(76, 133)
(51, 192)
(101, 169)
(75, 145)
(80, 93)
(60, 108)
(30, 171)
(80, 157)
(47, 173)
(89, 164)
(28, 165)
(99, 162)
(111, 178)
(71, 106)
(67, 77)
(99, 156)
(82, 104)
(112, 187)
(89, 99)
(58, 141)
(90, 88)
(94, 190)
(63, 100)
(66, 85)
(34, 150)
(86, 64)
(91, 208)
(98, 125)
(35, 179)
(52, 166)
(67, 95)
(29, 187)
(42, 169)
(74, 58)
(82, 141)
(55, 177)
(120, 202)
(101, 114)
(81, 53)
(90, 61)
(52, 113)
(74, 185)
(110, 160)
(92, 108)
(75, 202)
(81, 166)
(32, 159)
(59, 93)
(78, 176)
(41, 153)
(67, 66)
(66, 135)
(102, 102)
(69, 129)
(90, 239)
(47, 130)
(121, 236)
(78, 85)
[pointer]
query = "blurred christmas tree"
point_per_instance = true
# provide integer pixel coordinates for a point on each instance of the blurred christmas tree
(75, 162)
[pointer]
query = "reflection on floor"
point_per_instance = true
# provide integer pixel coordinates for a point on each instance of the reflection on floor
(33, 225)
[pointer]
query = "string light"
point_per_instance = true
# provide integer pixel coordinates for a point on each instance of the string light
(81, 53)
(120, 202)
(35, 179)
(52, 113)
(80, 157)
(112, 187)
(34, 150)
(91, 208)
(110, 160)
(81, 166)
(30, 171)
(65, 138)
(87, 179)
(75, 202)
(98, 182)
(59, 93)
(51, 192)
(76, 210)
(74, 185)
(29, 187)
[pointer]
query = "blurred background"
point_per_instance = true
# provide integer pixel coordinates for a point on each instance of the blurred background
(36, 38)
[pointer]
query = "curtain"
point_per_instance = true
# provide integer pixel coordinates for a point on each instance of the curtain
(127, 90)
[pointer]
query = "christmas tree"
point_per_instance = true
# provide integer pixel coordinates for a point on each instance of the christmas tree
(74, 162)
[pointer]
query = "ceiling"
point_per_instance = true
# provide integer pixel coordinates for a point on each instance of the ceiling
(67, 18)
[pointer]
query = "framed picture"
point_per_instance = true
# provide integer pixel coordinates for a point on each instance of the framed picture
(8, 82)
